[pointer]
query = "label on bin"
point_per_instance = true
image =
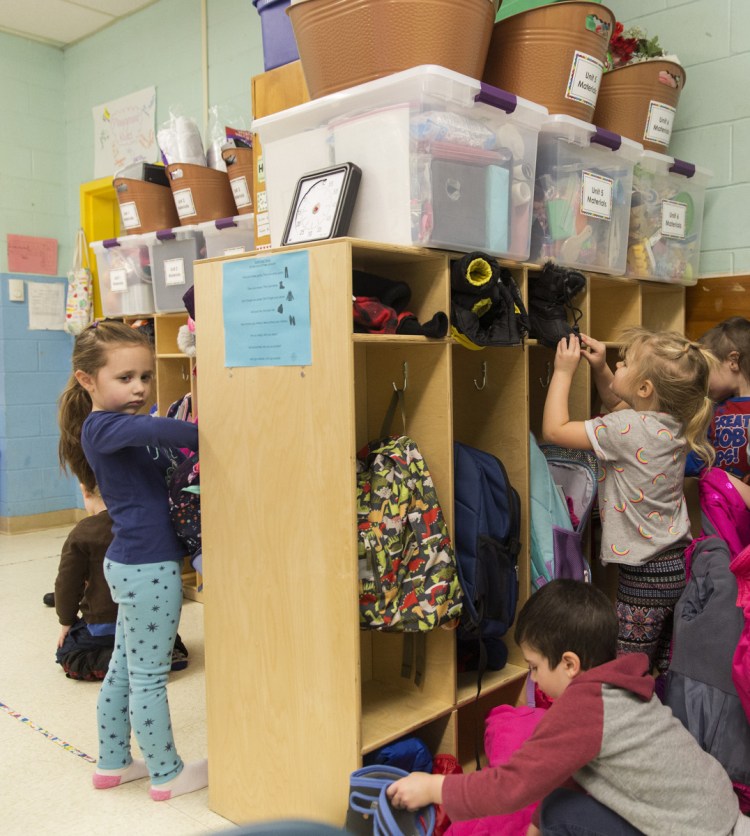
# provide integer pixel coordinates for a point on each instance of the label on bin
(659, 123)
(673, 219)
(129, 215)
(183, 200)
(174, 271)
(585, 78)
(241, 192)
(596, 195)
(118, 281)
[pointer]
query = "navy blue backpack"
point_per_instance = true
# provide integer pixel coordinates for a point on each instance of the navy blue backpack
(487, 531)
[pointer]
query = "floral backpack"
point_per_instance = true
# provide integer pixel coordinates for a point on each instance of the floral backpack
(185, 503)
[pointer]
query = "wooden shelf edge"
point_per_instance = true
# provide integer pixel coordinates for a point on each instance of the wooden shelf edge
(492, 681)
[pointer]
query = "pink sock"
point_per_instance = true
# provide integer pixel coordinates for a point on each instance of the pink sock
(104, 779)
(194, 776)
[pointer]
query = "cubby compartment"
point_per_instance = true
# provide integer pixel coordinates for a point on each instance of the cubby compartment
(393, 705)
(471, 713)
(662, 307)
(614, 304)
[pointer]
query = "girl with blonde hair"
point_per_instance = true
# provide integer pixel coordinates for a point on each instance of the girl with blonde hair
(658, 410)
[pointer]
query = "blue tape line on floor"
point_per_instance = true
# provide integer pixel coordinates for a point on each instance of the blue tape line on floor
(31, 724)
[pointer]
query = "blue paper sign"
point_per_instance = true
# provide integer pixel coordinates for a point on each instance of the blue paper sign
(266, 303)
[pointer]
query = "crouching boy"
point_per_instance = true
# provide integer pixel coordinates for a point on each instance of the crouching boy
(607, 734)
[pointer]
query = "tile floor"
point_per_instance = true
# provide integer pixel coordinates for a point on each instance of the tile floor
(46, 787)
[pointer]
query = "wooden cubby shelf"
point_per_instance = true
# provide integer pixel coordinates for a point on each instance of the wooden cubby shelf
(291, 679)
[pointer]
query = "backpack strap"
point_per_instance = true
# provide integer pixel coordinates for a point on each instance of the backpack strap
(398, 399)
(414, 656)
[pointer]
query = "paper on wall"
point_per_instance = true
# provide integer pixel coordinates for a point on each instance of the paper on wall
(46, 306)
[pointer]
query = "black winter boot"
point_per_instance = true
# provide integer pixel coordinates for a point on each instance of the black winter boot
(550, 297)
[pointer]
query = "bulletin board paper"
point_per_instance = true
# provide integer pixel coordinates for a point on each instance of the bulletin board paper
(266, 303)
(30, 254)
(124, 132)
(46, 306)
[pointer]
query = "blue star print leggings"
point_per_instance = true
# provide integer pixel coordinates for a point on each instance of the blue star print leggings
(134, 692)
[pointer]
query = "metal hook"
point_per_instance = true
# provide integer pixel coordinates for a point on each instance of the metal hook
(406, 379)
(544, 384)
(185, 375)
(484, 377)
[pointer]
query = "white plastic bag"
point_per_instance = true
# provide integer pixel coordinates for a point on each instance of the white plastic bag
(78, 301)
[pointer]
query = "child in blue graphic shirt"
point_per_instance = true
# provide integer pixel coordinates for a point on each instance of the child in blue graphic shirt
(729, 388)
(104, 440)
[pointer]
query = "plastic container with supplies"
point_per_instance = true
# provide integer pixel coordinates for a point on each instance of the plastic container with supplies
(124, 269)
(279, 45)
(446, 161)
(584, 178)
(229, 236)
(666, 217)
(173, 252)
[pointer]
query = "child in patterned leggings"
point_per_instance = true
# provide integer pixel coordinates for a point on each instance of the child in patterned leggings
(658, 410)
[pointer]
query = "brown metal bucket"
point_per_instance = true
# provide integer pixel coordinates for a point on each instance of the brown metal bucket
(200, 193)
(239, 162)
(343, 43)
(553, 55)
(639, 101)
(144, 206)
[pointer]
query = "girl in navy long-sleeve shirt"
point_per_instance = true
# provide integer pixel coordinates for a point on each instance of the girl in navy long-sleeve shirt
(129, 455)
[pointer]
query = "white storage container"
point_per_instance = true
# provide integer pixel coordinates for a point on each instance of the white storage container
(124, 269)
(173, 252)
(584, 178)
(666, 218)
(446, 161)
(229, 236)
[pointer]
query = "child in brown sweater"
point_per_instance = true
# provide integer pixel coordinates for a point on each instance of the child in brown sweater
(85, 643)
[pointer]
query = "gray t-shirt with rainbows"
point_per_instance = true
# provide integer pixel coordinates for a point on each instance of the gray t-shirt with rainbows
(641, 500)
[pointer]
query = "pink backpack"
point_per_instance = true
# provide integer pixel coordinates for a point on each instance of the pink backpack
(507, 727)
(723, 510)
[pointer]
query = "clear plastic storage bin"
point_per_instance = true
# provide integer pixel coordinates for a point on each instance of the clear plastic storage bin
(229, 236)
(446, 161)
(173, 252)
(666, 217)
(584, 178)
(124, 269)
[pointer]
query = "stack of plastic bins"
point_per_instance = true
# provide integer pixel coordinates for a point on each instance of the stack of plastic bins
(584, 178)
(229, 236)
(666, 217)
(173, 252)
(124, 271)
(446, 161)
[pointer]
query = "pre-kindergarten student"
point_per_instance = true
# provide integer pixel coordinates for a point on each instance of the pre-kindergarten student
(85, 643)
(659, 408)
(101, 431)
(729, 388)
(606, 733)
(83, 601)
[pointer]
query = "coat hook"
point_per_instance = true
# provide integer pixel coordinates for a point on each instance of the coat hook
(484, 377)
(185, 375)
(545, 383)
(406, 378)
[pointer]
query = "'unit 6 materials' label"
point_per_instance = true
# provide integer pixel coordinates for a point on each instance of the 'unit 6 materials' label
(129, 215)
(596, 195)
(183, 201)
(673, 219)
(174, 271)
(659, 123)
(585, 78)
